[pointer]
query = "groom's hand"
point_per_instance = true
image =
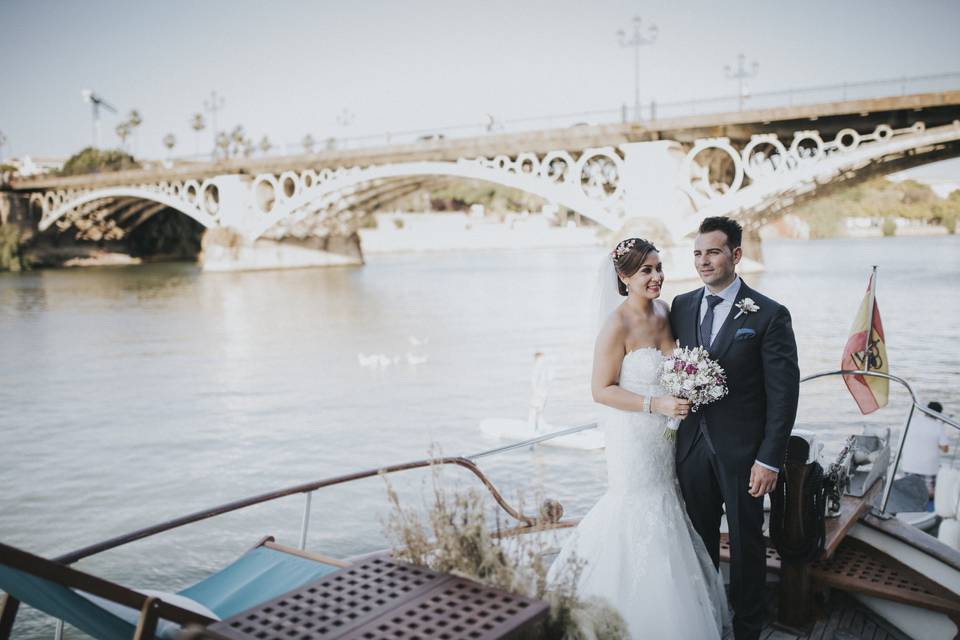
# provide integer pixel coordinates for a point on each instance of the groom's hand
(762, 480)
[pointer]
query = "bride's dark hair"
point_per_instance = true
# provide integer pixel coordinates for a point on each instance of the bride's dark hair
(628, 257)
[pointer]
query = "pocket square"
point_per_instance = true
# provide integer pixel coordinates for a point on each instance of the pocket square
(746, 333)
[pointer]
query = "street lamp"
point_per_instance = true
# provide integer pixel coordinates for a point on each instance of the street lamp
(213, 105)
(740, 75)
(96, 103)
(636, 40)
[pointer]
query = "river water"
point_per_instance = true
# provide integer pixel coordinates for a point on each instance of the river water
(130, 395)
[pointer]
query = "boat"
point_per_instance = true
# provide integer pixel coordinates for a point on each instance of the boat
(869, 575)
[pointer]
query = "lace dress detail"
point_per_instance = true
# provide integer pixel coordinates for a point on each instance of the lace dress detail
(641, 552)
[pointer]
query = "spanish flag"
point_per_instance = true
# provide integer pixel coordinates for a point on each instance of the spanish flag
(870, 393)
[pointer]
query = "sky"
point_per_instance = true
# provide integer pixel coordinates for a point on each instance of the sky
(286, 68)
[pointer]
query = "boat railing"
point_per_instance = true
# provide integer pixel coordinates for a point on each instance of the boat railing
(466, 461)
(915, 405)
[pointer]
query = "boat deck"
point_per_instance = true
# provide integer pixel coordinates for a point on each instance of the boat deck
(844, 619)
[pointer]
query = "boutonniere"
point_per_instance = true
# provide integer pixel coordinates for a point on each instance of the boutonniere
(747, 305)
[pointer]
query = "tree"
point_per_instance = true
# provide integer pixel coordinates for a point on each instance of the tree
(169, 141)
(123, 132)
(223, 144)
(248, 147)
(308, 143)
(198, 124)
(237, 137)
(92, 160)
(265, 145)
(134, 120)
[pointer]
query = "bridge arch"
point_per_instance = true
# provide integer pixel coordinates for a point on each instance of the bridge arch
(190, 198)
(851, 157)
(556, 178)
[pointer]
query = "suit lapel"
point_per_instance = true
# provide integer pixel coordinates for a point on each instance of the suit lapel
(729, 329)
(694, 316)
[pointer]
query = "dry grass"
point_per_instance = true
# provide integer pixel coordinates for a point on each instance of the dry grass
(453, 536)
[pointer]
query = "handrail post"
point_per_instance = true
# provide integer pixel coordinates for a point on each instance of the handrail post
(305, 525)
(896, 461)
(58, 632)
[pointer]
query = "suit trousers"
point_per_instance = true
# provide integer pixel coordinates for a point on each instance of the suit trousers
(707, 485)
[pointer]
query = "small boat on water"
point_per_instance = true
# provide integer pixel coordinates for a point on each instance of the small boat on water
(840, 563)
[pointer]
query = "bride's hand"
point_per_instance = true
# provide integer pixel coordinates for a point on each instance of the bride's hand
(670, 406)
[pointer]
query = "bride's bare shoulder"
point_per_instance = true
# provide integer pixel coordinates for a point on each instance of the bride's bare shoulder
(614, 328)
(663, 309)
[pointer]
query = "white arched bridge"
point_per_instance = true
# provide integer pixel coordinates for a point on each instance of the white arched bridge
(759, 165)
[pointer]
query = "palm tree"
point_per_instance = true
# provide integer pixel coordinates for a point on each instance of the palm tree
(223, 143)
(237, 136)
(134, 120)
(308, 143)
(169, 141)
(198, 124)
(265, 145)
(123, 132)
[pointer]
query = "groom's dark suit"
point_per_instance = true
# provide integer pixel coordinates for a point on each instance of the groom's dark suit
(718, 445)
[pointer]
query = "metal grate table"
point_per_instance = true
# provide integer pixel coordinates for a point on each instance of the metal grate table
(385, 598)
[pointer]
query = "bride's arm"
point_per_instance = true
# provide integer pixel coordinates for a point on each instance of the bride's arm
(607, 357)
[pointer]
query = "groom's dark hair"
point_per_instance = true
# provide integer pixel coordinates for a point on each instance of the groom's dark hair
(731, 228)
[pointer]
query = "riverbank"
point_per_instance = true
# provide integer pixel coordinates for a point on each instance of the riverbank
(417, 232)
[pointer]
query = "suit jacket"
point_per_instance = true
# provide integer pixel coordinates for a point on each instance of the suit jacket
(758, 352)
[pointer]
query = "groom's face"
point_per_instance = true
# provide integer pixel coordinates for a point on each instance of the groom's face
(714, 260)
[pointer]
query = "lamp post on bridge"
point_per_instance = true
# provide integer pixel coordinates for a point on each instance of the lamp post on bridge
(740, 75)
(636, 40)
(213, 105)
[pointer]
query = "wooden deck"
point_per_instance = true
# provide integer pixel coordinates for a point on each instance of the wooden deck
(844, 619)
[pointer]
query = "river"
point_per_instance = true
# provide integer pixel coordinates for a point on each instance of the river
(129, 395)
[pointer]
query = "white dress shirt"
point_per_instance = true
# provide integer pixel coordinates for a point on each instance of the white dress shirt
(720, 313)
(722, 310)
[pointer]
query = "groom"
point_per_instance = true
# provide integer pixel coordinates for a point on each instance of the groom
(729, 452)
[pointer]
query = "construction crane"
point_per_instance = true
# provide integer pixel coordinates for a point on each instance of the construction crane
(96, 102)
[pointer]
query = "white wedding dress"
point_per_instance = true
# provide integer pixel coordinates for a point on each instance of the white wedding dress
(641, 553)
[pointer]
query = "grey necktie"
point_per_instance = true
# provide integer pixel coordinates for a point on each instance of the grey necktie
(706, 327)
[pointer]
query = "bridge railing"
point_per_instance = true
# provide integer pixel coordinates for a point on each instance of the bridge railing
(650, 113)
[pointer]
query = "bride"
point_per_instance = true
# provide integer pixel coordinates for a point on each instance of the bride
(641, 553)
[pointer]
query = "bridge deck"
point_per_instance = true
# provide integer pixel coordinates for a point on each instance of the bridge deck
(940, 108)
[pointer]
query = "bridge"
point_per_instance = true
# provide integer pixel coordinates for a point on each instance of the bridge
(664, 175)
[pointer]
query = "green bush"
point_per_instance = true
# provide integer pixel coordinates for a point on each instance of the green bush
(889, 227)
(92, 160)
(10, 257)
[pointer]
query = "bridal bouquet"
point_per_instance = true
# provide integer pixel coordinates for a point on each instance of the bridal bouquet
(691, 373)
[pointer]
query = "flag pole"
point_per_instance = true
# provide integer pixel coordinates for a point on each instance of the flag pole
(871, 306)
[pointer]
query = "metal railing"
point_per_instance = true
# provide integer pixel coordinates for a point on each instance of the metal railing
(649, 113)
(465, 461)
(914, 406)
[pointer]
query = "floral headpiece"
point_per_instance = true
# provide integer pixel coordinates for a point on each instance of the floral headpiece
(623, 248)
